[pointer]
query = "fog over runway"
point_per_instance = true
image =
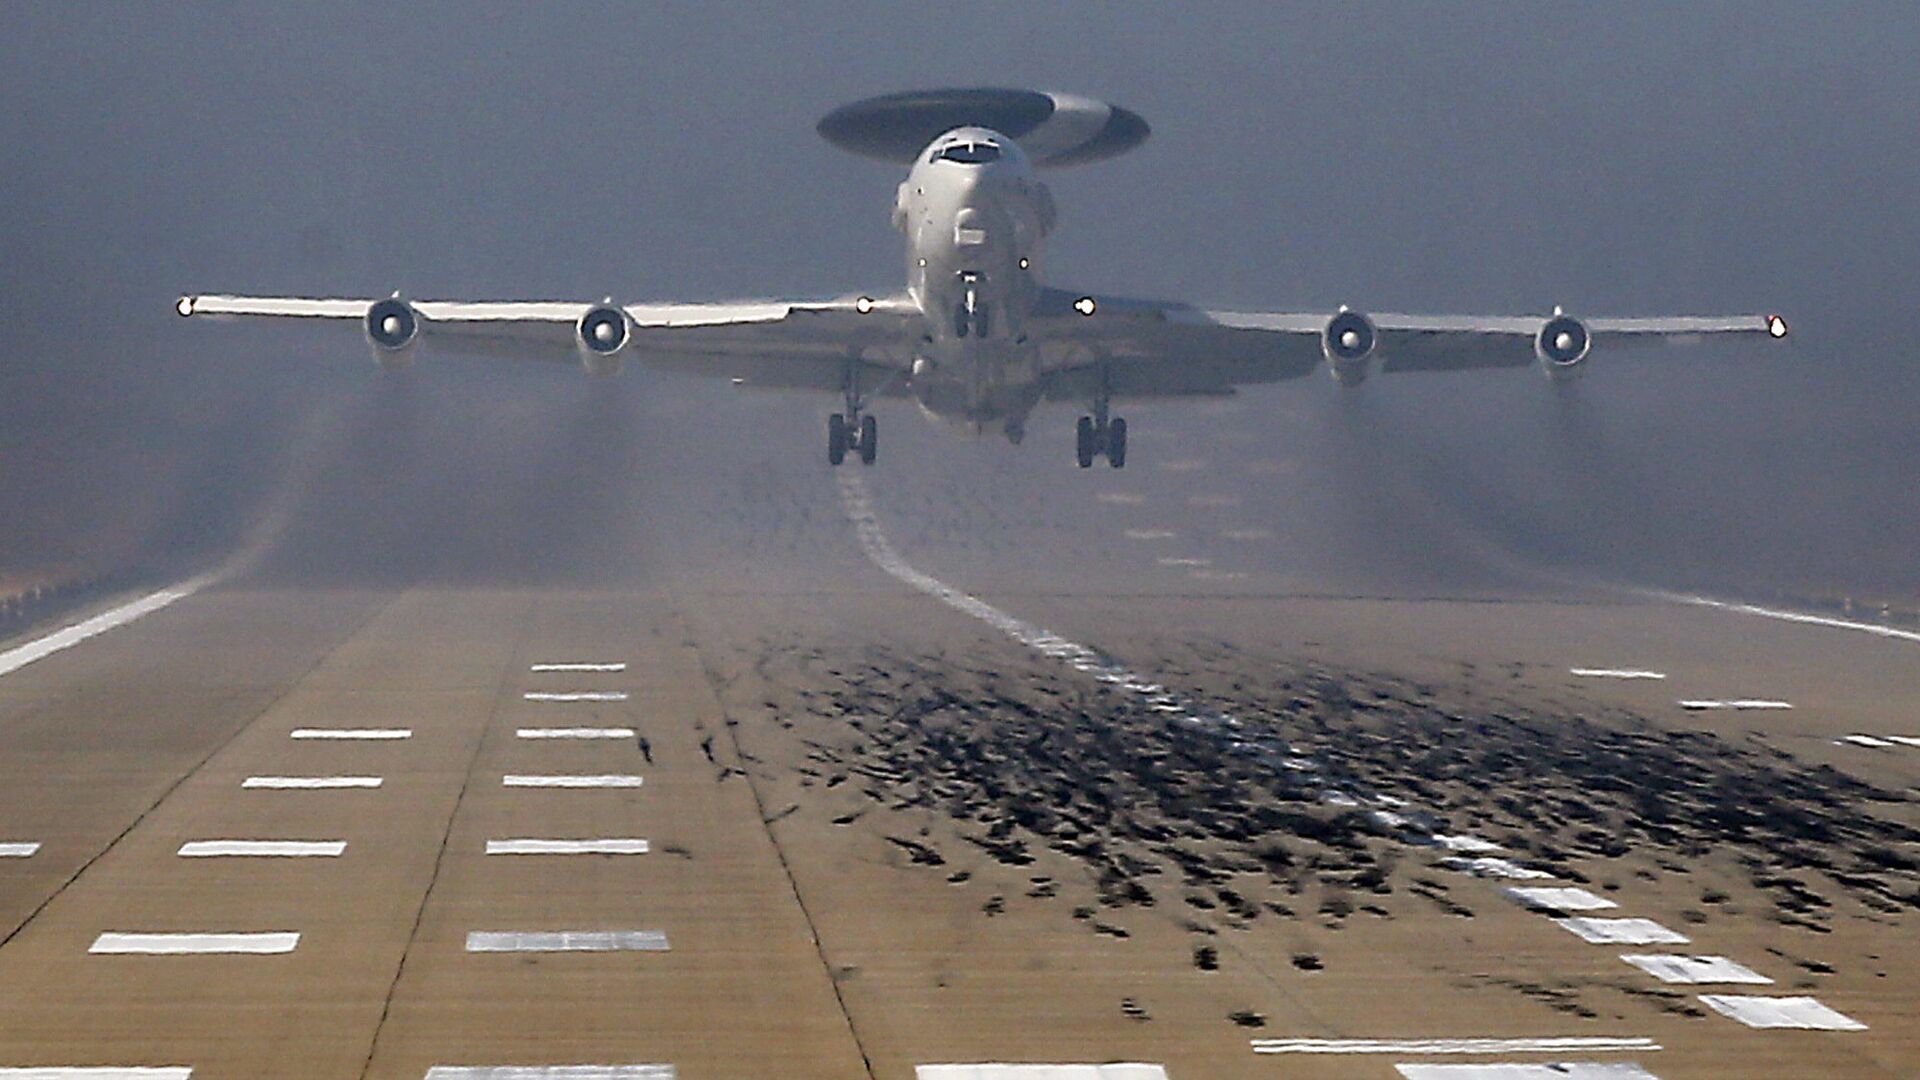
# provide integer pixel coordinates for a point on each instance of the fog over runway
(493, 721)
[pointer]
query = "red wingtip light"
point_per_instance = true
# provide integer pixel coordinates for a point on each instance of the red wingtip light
(1776, 326)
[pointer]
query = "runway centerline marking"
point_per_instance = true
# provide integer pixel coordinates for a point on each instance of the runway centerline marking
(574, 733)
(1695, 969)
(368, 734)
(1781, 1012)
(1742, 704)
(575, 695)
(96, 1072)
(551, 1072)
(543, 941)
(1537, 1045)
(1564, 1070)
(602, 846)
(285, 849)
(254, 944)
(1615, 673)
(20, 656)
(19, 850)
(569, 780)
(1871, 741)
(581, 666)
(310, 783)
(1000, 1071)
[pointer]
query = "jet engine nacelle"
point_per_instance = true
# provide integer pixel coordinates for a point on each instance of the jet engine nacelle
(1562, 346)
(1348, 342)
(602, 334)
(393, 329)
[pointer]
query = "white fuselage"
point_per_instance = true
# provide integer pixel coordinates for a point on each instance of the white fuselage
(976, 220)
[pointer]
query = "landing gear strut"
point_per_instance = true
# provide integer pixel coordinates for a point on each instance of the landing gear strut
(852, 430)
(1101, 434)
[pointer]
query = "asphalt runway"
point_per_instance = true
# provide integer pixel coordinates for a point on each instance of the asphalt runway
(652, 741)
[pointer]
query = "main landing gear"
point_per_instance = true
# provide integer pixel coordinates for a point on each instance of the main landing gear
(860, 434)
(1098, 436)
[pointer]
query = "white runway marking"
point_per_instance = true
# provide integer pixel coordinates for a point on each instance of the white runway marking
(20, 656)
(1178, 560)
(1120, 1071)
(1565, 1070)
(580, 665)
(551, 1072)
(1784, 1012)
(1217, 575)
(574, 733)
(1488, 866)
(1868, 740)
(1797, 617)
(1615, 673)
(575, 695)
(1622, 931)
(1121, 498)
(605, 846)
(1246, 535)
(1148, 534)
(369, 734)
(570, 781)
(1472, 845)
(185, 944)
(1560, 899)
(1547, 1045)
(19, 851)
(97, 1072)
(567, 941)
(1698, 704)
(293, 849)
(311, 782)
(1906, 740)
(1695, 969)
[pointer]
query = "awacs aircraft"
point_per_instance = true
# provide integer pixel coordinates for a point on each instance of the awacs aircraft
(976, 338)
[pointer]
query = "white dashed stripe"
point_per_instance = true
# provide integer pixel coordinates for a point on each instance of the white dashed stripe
(1473, 845)
(567, 941)
(1906, 740)
(182, 944)
(1147, 534)
(1178, 560)
(551, 1072)
(608, 781)
(16, 658)
(1782, 1012)
(97, 1072)
(580, 666)
(369, 734)
(574, 733)
(1622, 931)
(1868, 741)
(575, 695)
(311, 782)
(1548, 1045)
(1700, 704)
(1615, 673)
(607, 846)
(1563, 1070)
(295, 849)
(1488, 866)
(1114, 1071)
(1695, 969)
(19, 851)
(1559, 899)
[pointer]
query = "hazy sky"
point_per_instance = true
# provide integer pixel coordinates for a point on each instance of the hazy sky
(1637, 158)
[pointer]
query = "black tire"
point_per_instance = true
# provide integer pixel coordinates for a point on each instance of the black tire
(836, 439)
(1083, 442)
(869, 439)
(1117, 443)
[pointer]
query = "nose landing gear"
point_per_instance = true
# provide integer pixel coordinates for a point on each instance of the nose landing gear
(860, 434)
(1095, 438)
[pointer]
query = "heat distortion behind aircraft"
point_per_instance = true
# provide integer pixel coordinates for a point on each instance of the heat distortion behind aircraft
(975, 337)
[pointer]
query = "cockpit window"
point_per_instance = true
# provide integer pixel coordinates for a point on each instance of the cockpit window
(972, 153)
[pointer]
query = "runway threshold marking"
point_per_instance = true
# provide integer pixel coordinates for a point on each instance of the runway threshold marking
(552, 1073)
(19, 850)
(1536, 1045)
(367, 734)
(602, 846)
(574, 695)
(1621, 931)
(574, 733)
(1558, 899)
(1781, 1012)
(570, 781)
(1695, 969)
(581, 666)
(1110, 1071)
(547, 941)
(96, 1072)
(1488, 866)
(255, 944)
(284, 849)
(20, 656)
(311, 783)
(1564, 1070)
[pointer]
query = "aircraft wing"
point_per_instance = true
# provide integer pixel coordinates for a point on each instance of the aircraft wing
(1149, 348)
(803, 344)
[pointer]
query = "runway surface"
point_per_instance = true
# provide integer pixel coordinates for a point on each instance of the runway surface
(598, 741)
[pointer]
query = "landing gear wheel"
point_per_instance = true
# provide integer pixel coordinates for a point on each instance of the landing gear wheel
(1117, 443)
(1084, 447)
(836, 439)
(869, 439)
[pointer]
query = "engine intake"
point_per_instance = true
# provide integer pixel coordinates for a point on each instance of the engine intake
(1348, 342)
(393, 328)
(1562, 346)
(603, 332)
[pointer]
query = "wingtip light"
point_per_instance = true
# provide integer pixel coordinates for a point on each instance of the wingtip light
(1776, 326)
(863, 304)
(1084, 305)
(184, 306)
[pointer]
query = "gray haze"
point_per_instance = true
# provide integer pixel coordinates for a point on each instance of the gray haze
(1646, 159)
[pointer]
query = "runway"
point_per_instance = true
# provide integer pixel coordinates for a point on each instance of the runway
(604, 754)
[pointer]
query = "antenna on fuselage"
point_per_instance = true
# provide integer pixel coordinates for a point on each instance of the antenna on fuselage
(1054, 129)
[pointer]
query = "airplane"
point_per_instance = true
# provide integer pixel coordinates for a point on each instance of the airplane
(976, 338)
